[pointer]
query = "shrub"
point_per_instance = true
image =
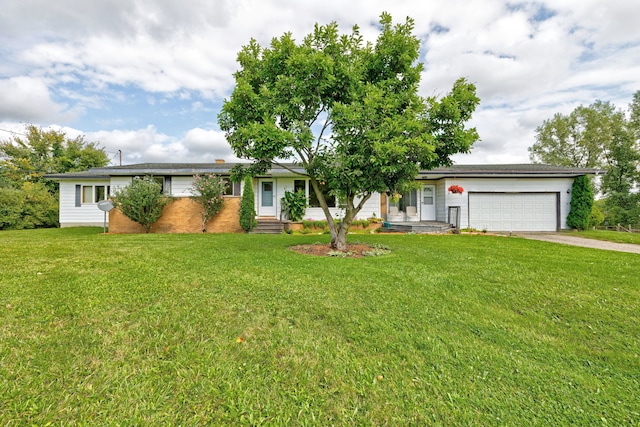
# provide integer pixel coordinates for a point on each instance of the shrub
(208, 191)
(312, 223)
(10, 208)
(620, 208)
(247, 206)
(596, 218)
(364, 223)
(581, 203)
(31, 206)
(141, 201)
(294, 204)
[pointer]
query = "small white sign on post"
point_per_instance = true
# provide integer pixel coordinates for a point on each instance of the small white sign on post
(105, 206)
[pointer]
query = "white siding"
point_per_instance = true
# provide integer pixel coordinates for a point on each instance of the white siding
(508, 185)
(181, 186)
(119, 182)
(371, 206)
(286, 184)
(282, 185)
(87, 214)
(441, 208)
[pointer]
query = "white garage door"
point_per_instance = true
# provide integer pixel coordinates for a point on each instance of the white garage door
(513, 211)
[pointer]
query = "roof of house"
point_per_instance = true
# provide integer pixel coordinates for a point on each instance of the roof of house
(508, 170)
(188, 169)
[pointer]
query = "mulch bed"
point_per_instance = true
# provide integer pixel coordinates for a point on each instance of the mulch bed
(354, 251)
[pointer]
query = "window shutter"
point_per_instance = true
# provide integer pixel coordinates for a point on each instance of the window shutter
(78, 195)
(236, 188)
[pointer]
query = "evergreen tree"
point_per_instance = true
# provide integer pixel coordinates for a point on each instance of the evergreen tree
(581, 203)
(247, 206)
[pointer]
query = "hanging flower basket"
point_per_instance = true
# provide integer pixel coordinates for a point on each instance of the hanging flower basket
(395, 197)
(455, 189)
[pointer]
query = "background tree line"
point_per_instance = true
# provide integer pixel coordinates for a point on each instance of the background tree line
(598, 136)
(27, 199)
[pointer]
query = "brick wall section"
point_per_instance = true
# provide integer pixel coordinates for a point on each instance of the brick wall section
(182, 215)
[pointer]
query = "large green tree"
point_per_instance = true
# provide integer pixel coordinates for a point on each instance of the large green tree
(347, 111)
(37, 152)
(25, 159)
(599, 136)
(578, 139)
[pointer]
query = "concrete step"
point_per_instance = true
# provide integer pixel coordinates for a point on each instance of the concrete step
(268, 226)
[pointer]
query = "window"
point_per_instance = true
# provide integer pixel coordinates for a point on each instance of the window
(87, 193)
(300, 185)
(164, 181)
(232, 188)
(160, 180)
(100, 193)
(313, 199)
(93, 193)
(427, 198)
(409, 199)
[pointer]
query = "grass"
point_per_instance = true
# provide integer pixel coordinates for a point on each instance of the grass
(236, 329)
(609, 236)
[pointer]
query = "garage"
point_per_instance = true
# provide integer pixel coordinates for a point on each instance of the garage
(514, 211)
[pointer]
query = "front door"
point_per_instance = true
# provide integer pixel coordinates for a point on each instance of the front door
(267, 198)
(428, 203)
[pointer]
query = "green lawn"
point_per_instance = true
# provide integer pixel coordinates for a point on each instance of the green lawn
(610, 236)
(446, 330)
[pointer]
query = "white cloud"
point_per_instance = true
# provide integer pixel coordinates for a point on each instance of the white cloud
(528, 60)
(149, 145)
(28, 99)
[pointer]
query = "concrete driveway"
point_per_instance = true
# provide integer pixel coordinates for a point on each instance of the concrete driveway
(581, 241)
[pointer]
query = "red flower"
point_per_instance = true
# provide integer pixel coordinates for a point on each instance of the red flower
(455, 189)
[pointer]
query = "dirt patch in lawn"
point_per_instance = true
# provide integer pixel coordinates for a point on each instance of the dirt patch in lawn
(353, 251)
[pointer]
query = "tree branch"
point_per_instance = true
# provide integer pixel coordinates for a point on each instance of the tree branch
(324, 127)
(362, 202)
(284, 166)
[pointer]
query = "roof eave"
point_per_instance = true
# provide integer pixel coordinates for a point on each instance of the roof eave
(72, 176)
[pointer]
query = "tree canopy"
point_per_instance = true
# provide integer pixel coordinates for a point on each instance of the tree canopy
(347, 111)
(598, 136)
(38, 152)
(29, 199)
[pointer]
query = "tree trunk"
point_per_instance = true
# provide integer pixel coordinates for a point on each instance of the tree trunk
(339, 231)
(340, 241)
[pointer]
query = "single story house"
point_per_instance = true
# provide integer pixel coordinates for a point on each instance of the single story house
(514, 197)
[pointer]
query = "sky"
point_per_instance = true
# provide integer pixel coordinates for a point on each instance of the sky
(147, 78)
